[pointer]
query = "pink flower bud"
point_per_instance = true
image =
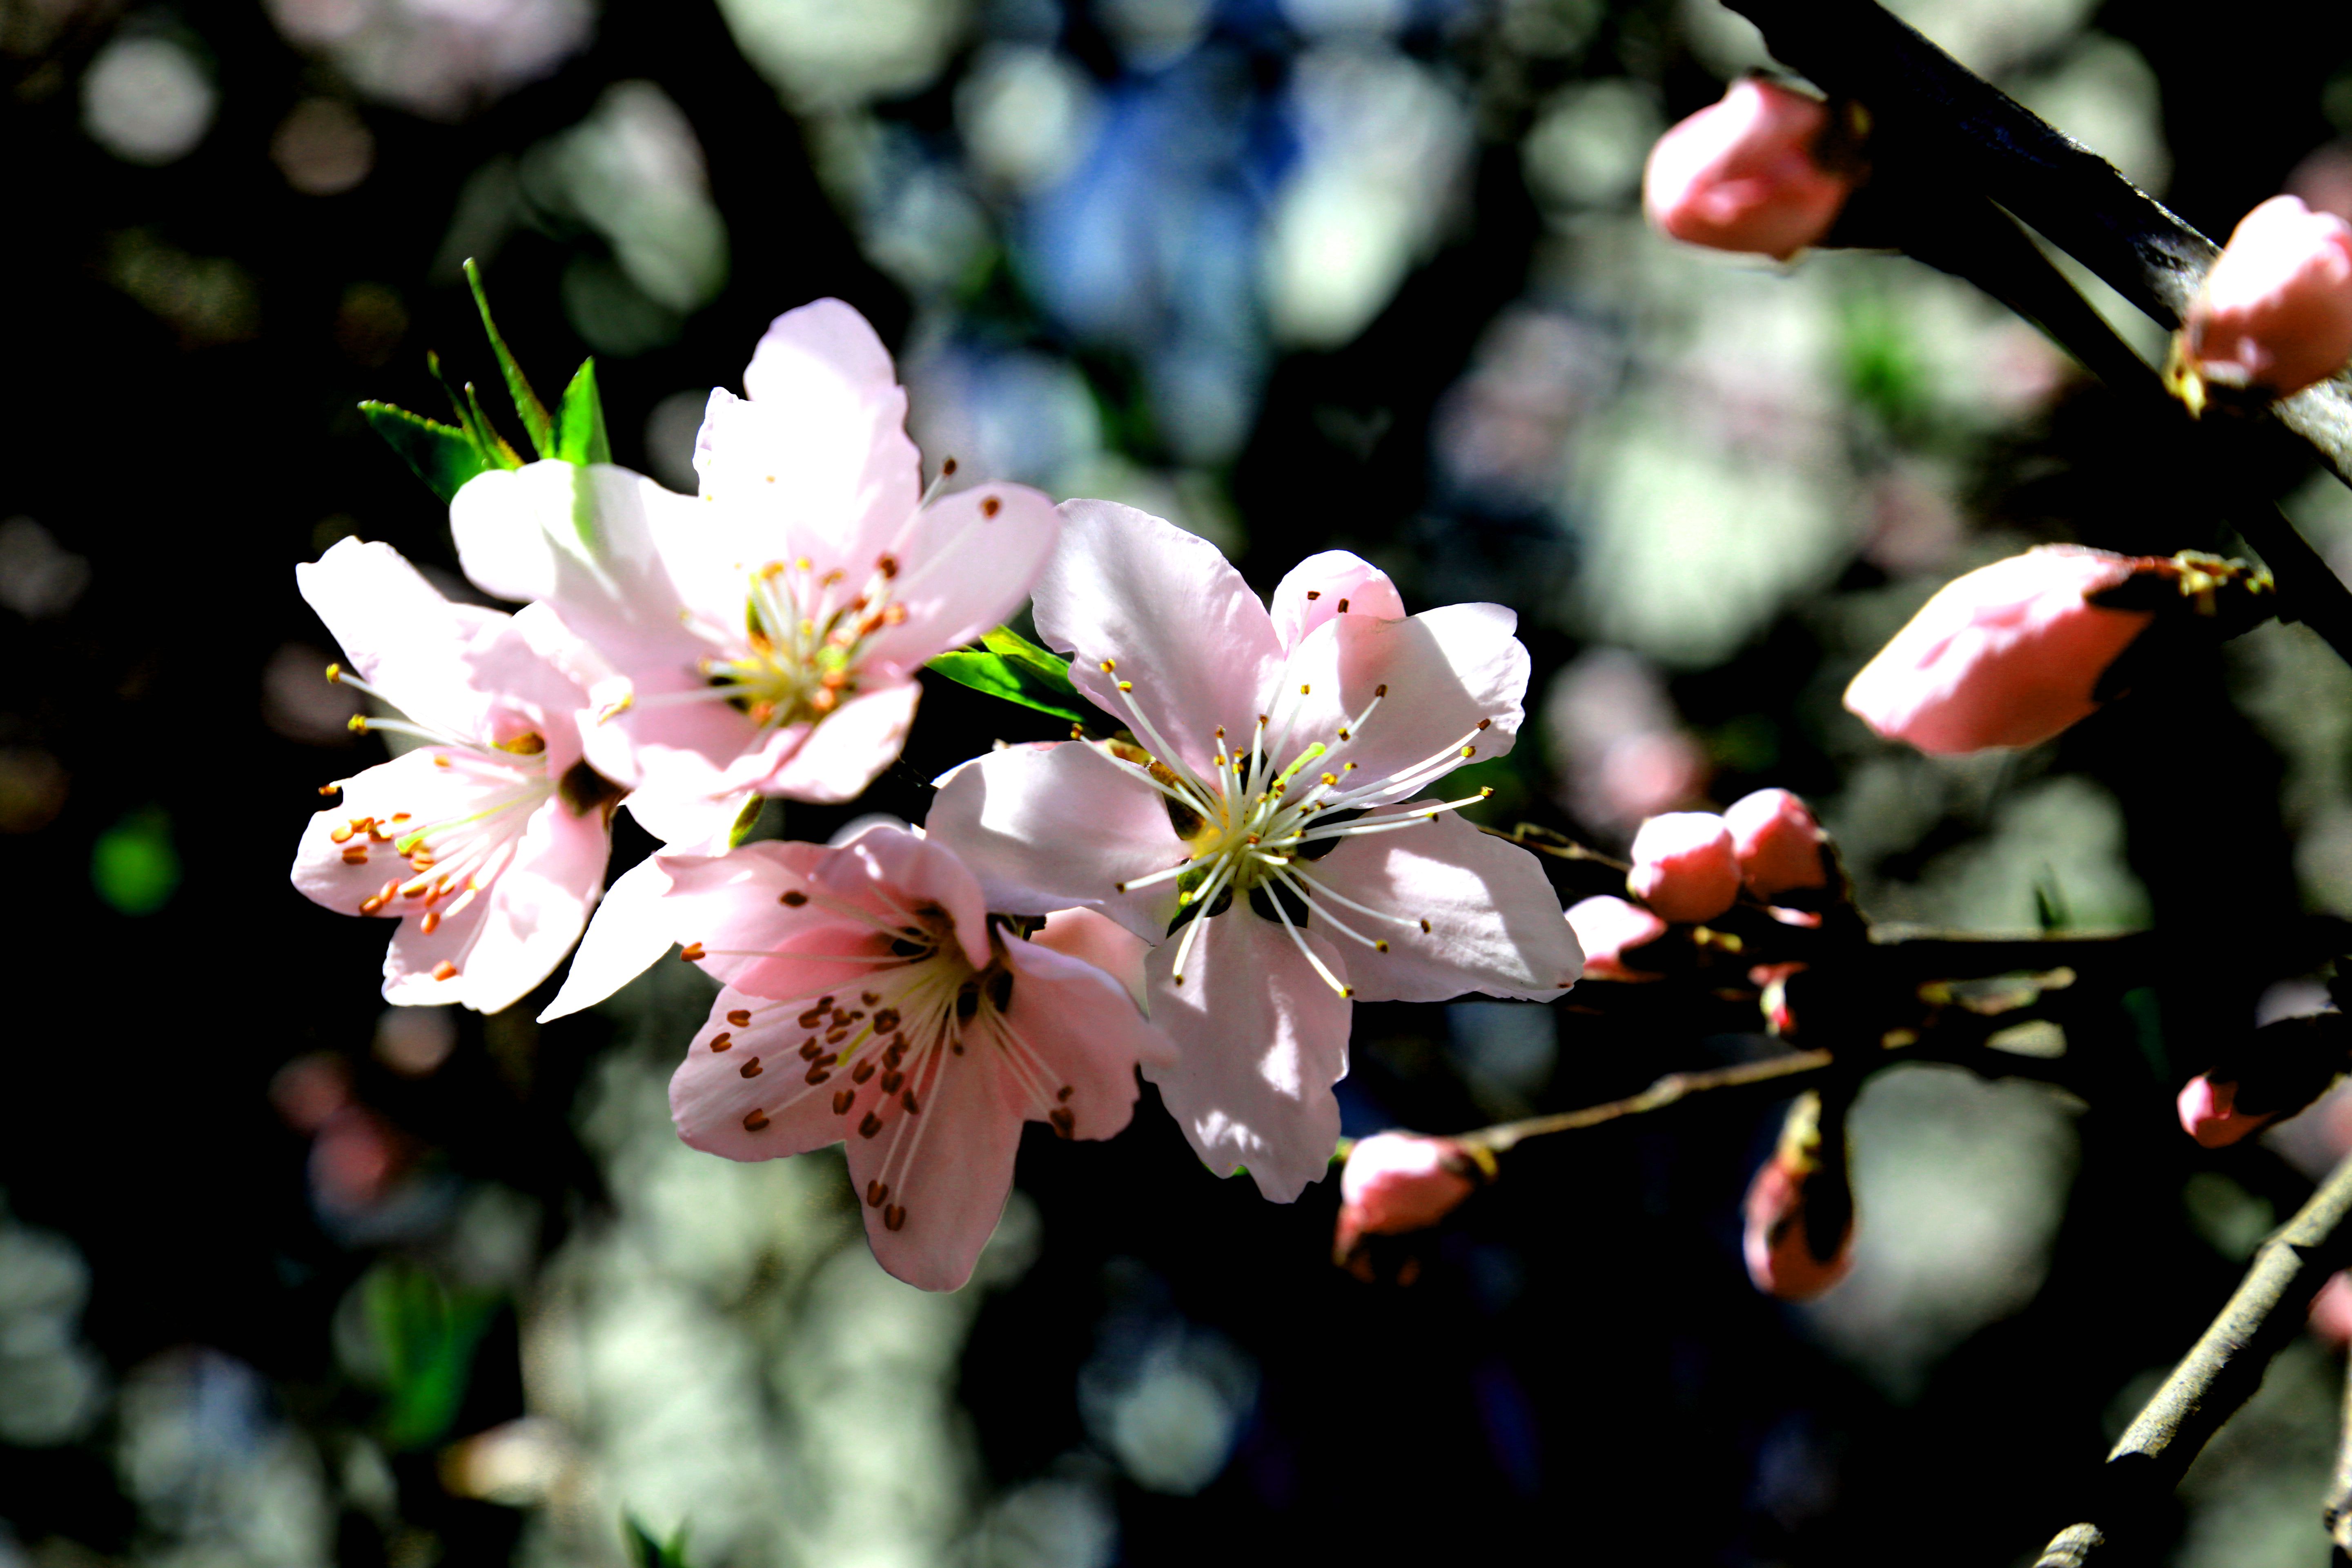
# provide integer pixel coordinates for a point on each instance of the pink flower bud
(2209, 1113)
(2007, 655)
(1778, 843)
(2331, 1311)
(1683, 867)
(1607, 929)
(1399, 1182)
(1741, 175)
(2275, 312)
(1777, 1244)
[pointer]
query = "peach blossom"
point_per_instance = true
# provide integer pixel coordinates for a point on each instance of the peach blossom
(1777, 1246)
(2209, 1113)
(2275, 312)
(1399, 1182)
(1742, 175)
(2007, 655)
(1683, 866)
(1608, 929)
(1777, 843)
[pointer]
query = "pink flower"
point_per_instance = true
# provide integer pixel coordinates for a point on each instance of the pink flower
(1266, 829)
(2008, 655)
(764, 637)
(869, 998)
(488, 843)
(2209, 1113)
(1683, 867)
(2276, 310)
(1742, 175)
(1399, 1182)
(2331, 1311)
(1775, 1241)
(1607, 929)
(1777, 843)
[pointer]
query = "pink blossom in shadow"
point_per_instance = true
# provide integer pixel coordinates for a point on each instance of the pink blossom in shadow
(2276, 310)
(2009, 655)
(1266, 830)
(1685, 867)
(1608, 930)
(2209, 1113)
(1396, 1183)
(1777, 843)
(488, 842)
(1742, 175)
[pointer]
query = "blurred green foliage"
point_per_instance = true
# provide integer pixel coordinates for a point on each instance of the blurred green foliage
(133, 864)
(426, 1334)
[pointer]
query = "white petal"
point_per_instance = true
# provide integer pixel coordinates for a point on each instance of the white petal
(1335, 583)
(632, 929)
(583, 540)
(400, 634)
(845, 752)
(965, 563)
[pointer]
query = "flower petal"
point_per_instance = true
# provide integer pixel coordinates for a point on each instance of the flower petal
(401, 635)
(1045, 827)
(1446, 670)
(1185, 631)
(1095, 938)
(948, 1168)
(536, 908)
(1261, 1038)
(967, 562)
(583, 540)
(633, 927)
(1493, 921)
(1335, 583)
(712, 1096)
(843, 753)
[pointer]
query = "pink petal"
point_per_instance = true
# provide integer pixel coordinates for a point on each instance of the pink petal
(966, 564)
(1261, 1038)
(583, 540)
(1740, 175)
(534, 910)
(1777, 842)
(1683, 866)
(1097, 939)
(1335, 582)
(1183, 630)
(845, 752)
(1446, 670)
(950, 1192)
(710, 1097)
(1494, 922)
(690, 823)
(907, 871)
(1045, 827)
(1608, 930)
(633, 927)
(2276, 310)
(1084, 1023)
(400, 634)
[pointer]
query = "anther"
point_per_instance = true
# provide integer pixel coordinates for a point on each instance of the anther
(1065, 1123)
(751, 1068)
(888, 566)
(1483, 724)
(894, 1217)
(1127, 686)
(1381, 689)
(335, 673)
(741, 1017)
(1380, 946)
(1303, 688)
(691, 953)
(809, 1050)
(863, 1071)
(892, 1081)
(834, 1036)
(1065, 1091)
(875, 1192)
(988, 508)
(816, 1073)
(721, 1040)
(885, 1021)
(330, 789)
(793, 900)
(908, 1100)
(1108, 665)
(813, 1018)
(340, 835)
(431, 922)
(753, 1122)
(445, 970)
(842, 1100)
(1314, 592)
(870, 1126)
(356, 855)
(1424, 928)
(947, 468)
(869, 997)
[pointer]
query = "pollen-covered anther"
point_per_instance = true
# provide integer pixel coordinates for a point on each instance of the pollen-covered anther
(691, 953)
(862, 1071)
(751, 1068)
(1065, 1121)
(894, 1217)
(1424, 927)
(875, 1192)
(445, 970)
(340, 835)
(793, 899)
(989, 507)
(741, 1017)
(723, 1039)
(891, 1081)
(431, 922)
(1109, 665)
(755, 1121)
(908, 1100)
(818, 1072)
(1343, 607)
(869, 1126)
(843, 1098)
(356, 855)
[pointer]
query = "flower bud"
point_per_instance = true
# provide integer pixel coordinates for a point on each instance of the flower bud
(1744, 174)
(2276, 310)
(1607, 929)
(1798, 1235)
(1683, 867)
(2331, 1311)
(2009, 655)
(1401, 1182)
(1777, 843)
(2209, 1113)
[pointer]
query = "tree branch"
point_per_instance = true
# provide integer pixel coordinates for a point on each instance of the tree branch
(2217, 1375)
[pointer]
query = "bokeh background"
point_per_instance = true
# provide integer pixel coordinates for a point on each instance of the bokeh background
(288, 1279)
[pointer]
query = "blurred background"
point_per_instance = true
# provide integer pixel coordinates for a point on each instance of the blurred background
(306, 1281)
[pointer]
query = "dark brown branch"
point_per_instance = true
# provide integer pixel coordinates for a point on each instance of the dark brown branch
(2220, 1372)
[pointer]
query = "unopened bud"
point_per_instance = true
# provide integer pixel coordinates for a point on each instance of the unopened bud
(1399, 1182)
(2276, 1072)
(2274, 313)
(1777, 843)
(2009, 655)
(1683, 867)
(1608, 930)
(2209, 1113)
(1798, 1235)
(1745, 174)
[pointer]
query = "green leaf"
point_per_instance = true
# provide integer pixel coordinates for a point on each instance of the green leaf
(442, 456)
(1002, 676)
(493, 447)
(427, 1334)
(747, 821)
(528, 407)
(646, 1551)
(1051, 669)
(134, 866)
(580, 420)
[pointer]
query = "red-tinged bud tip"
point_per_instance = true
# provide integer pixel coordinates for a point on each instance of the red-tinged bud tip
(1399, 1182)
(1608, 930)
(2009, 655)
(2209, 1113)
(1742, 175)
(2275, 312)
(1777, 843)
(1776, 1243)
(1683, 866)
(2331, 1311)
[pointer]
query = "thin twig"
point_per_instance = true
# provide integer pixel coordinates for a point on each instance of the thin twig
(1795, 1067)
(2217, 1375)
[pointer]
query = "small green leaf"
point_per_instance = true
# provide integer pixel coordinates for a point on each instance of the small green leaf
(528, 407)
(133, 864)
(1001, 677)
(1052, 670)
(646, 1551)
(580, 420)
(426, 1335)
(747, 821)
(442, 456)
(493, 447)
